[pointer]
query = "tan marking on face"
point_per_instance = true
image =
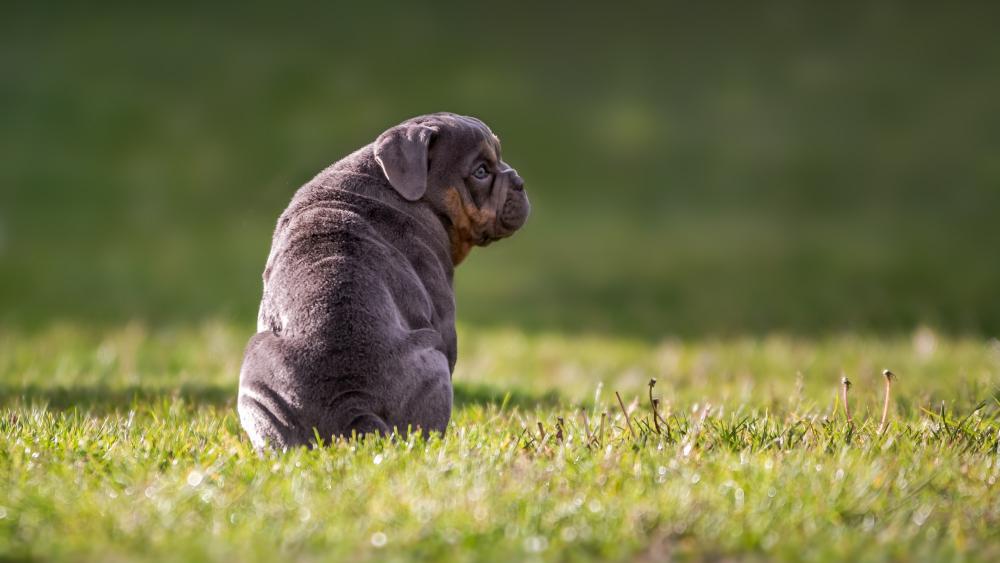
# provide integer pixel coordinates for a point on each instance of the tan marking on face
(468, 224)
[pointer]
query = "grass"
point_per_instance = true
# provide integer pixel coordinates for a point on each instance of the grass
(699, 169)
(124, 444)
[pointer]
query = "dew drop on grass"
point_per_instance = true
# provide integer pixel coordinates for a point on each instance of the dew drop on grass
(379, 539)
(195, 478)
(921, 515)
(378, 459)
(535, 544)
(768, 541)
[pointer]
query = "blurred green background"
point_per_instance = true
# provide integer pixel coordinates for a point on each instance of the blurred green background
(694, 170)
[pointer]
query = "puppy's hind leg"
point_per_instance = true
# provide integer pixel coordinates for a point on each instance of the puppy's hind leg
(265, 414)
(367, 424)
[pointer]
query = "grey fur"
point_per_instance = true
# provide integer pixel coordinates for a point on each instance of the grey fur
(356, 330)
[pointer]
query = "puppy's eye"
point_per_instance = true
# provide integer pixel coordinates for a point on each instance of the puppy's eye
(481, 173)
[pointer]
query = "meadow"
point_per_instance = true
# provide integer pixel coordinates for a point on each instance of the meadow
(124, 444)
(744, 203)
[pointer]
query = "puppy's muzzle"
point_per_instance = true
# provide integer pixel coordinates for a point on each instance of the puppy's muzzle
(516, 183)
(516, 208)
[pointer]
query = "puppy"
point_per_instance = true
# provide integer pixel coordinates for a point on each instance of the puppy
(356, 330)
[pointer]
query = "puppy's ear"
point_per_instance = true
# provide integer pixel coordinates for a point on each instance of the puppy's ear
(402, 154)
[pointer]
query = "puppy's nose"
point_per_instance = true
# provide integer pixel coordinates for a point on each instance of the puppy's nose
(516, 182)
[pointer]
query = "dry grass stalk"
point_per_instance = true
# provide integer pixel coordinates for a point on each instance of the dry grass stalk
(845, 384)
(628, 420)
(889, 376)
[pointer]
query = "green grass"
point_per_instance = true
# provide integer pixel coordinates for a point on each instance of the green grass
(694, 169)
(124, 444)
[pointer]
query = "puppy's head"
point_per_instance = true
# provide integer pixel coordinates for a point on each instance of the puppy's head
(453, 163)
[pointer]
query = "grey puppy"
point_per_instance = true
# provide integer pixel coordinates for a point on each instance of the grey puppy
(356, 330)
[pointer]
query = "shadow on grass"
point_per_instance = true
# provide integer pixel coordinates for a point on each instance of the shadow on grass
(468, 394)
(104, 398)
